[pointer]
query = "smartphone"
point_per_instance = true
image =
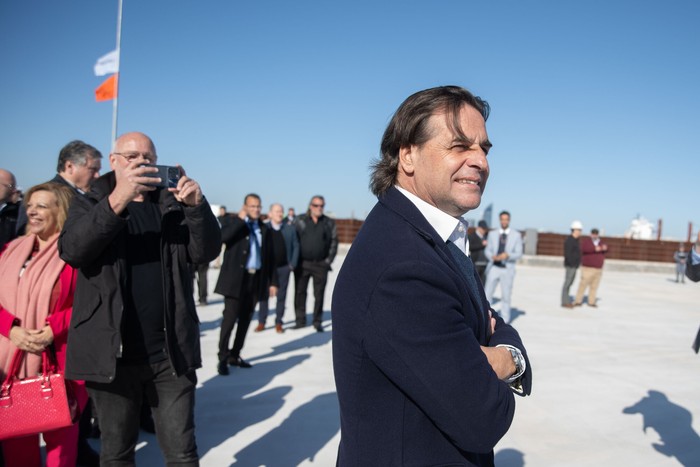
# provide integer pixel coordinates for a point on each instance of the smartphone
(169, 176)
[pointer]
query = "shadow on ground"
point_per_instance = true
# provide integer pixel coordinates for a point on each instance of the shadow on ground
(298, 438)
(672, 423)
(509, 458)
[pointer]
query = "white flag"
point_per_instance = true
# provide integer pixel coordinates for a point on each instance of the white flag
(107, 64)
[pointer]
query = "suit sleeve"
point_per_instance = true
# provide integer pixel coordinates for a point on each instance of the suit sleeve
(232, 229)
(491, 246)
(692, 270)
(517, 251)
(418, 336)
(505, 334)
(295, 247)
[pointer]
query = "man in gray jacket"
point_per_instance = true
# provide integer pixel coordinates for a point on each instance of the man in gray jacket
(134, 333)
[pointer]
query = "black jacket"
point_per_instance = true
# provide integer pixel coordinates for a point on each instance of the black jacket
(330, 235)
(692, 271)
(572, 252)
(93, 240)
(8, 223)
(236, 236)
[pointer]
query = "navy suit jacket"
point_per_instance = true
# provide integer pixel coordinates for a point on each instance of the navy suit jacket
(236, 236)
(413, 384)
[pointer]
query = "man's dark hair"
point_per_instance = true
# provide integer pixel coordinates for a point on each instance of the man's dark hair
(77, 152)
(409, 126)
(504, 212)
(594, 231)
(251, 195)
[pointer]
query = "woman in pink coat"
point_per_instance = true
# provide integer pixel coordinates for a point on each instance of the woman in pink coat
(36, 299)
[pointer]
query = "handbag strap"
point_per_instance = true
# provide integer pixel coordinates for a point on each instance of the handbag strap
(48, 366)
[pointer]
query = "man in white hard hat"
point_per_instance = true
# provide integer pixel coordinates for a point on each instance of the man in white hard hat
(572, 260)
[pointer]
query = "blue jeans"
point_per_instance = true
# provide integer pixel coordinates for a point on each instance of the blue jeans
(283, 274)
(171, 399)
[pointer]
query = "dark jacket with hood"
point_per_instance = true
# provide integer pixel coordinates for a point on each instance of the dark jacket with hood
(94, 240)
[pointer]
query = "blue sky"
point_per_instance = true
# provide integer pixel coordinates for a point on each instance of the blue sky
(594, 104)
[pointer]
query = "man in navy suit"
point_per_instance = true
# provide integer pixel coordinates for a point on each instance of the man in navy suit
(425, 371)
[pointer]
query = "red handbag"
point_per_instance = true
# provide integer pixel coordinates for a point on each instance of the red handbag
(35, 404)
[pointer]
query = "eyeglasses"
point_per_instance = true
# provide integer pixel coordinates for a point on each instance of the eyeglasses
(9, 185)
(132, 156)
(317, 205)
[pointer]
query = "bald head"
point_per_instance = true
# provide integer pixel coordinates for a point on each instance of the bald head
(8, 186)
(276, 213)
(133, 146)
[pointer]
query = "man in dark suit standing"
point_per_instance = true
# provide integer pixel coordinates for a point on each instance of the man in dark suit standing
(79, 165)
(477, 245)
(425, 371)
(246, 274)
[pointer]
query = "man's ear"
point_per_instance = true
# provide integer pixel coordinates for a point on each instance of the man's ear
(406, 155)
(112, 161)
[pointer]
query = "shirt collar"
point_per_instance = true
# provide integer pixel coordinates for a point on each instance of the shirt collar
(448, 227)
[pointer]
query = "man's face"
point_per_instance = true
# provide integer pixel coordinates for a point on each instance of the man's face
(276, 214)
(252, 208)
(576, 233)
(504, 220)
(445, 171)
(8, 186)
(83, 175)
(133, 147)
(316, 207)
(291, 213)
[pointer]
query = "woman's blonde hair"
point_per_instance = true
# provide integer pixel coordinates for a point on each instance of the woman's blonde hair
(63, 195)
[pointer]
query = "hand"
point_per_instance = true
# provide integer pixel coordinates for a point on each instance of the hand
(33, 341)
(132, 184)
(500, 360)
(242, 213)
(187, 192)
(493, 322)
(273, 291)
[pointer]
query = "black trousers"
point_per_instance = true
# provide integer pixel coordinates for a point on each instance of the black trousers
(238, 310)
(308, 269)
(201, 270)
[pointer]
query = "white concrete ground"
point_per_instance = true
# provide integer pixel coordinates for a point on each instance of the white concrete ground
(591, 366)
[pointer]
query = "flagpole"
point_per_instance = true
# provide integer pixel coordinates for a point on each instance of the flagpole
(115, 101)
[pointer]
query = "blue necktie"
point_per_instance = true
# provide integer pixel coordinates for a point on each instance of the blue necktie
(467, 267)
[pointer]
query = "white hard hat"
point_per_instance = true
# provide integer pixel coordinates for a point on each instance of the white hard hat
(576, 225)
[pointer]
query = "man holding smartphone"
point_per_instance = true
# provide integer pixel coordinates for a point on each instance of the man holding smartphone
(134, 334)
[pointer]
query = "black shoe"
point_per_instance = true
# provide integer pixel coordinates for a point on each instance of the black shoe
(239, 362)
(87, 456)
(222, 368)
(319, 328)
(299, 326)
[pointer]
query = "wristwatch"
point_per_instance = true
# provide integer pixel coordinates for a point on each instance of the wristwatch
(518, 361)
